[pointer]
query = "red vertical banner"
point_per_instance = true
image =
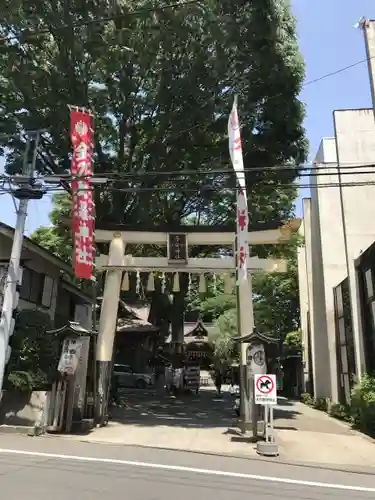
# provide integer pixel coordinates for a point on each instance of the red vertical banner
(81, 135)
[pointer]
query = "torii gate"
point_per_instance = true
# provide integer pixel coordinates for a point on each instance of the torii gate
(177, 240)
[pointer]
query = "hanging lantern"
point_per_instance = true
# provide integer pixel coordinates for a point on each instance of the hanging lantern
(125, 282)
(228, 284)
(214, 283)
(176, 283)
(151, 283)
(138, 284)
(202, 284)
(163, 283)
(190, 285)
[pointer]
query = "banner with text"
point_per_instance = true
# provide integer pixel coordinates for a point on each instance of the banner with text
(81, 135)
(235, 150)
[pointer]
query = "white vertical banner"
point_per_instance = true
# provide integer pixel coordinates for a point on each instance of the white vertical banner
(242, 215)
(242, 221)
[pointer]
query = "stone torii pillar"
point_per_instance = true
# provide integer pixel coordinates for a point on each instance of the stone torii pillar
(108, 324)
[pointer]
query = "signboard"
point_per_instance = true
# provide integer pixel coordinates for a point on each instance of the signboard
(81, 135)
(177, 247)
(265, 390)
(70, 356)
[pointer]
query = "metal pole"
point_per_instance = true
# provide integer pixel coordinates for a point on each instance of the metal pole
(367, 27)
(10, 288)
(272, 431)
(266, 428)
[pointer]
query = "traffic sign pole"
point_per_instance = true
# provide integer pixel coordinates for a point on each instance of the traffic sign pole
(265, 390)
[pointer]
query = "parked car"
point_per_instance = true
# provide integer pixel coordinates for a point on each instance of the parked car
(127, 377)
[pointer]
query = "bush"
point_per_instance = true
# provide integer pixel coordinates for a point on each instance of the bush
(340, 411)
(363, 405)
(307, 399)
(320, 404)
(34, 355)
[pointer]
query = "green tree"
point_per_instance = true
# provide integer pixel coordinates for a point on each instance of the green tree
(160, 83)
(276, 308)
(221, 336)
(293, 341)
(57, 237)
(276, 301)
(34, 355)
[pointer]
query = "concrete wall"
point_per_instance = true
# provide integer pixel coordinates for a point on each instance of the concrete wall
(337, 229)
(316, 299)
(304, 310)
(23, 408)
(355, 131)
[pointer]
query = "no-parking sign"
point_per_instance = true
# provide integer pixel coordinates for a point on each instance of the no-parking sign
(265, 390)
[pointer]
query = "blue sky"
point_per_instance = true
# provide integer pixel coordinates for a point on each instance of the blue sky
(328, 42)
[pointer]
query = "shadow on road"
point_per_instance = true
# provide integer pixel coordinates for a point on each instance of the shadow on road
(204, 410)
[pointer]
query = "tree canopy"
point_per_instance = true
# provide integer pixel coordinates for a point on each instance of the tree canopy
(276, 309)
(160, 80)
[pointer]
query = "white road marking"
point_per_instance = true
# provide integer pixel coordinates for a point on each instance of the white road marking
(180, 468)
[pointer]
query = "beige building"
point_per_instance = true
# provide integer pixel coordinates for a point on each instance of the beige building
(338, 228)
(46, 282)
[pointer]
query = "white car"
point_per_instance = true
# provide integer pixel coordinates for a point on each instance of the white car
(127, 377)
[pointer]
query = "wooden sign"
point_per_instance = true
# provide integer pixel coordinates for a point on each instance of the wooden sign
(177, 247)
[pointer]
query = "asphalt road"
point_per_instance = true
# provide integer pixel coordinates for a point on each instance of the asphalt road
(61, 469)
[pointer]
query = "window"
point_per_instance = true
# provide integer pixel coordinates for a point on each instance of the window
(32, 286)
(47, 291)
(366, 273)
(346, 365)
(369, 284)
(122, 369)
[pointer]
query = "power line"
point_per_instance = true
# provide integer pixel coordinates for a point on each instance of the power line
(111, 177)
(305, 170)
(202, 189)
(338, 71)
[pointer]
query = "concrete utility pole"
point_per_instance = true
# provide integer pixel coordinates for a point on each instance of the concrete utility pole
(368, 28)
(13, 280)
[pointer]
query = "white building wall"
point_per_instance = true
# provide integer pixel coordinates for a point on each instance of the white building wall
(326, 196)
(355, 132)
(338, 216)
(304, 309)
(316, 297)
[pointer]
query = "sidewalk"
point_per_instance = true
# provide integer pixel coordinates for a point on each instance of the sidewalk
(206, 424)
(311, 436)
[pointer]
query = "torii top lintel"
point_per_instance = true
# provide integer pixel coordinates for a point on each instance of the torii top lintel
(259, 234)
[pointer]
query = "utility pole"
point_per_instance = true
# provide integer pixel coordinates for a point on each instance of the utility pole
(368, 28)
(13, 280)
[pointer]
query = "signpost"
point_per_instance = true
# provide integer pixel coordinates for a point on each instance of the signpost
(265, 394)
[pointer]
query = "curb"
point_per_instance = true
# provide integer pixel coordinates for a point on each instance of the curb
(16, 429)
(352, 469)
(22, 430)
